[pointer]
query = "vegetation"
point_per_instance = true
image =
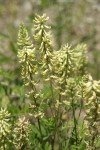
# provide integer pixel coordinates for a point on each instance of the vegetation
(61, 105)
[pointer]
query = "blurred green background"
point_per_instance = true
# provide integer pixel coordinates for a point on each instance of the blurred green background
(72, 21)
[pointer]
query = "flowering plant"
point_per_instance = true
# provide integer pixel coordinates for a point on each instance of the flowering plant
(63, 99)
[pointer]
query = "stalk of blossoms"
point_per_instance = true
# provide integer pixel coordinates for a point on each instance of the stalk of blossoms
(29, 71)
(5, 129)
(26, 55)
(92, 98)
(68, 64)
(62, 67)
(42, 37)
(21, 134)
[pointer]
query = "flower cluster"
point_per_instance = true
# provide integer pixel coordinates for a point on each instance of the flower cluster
(29, 64)
(42, 36)
(5, 128)
(92, 99)
(26, 54)
(21, 134)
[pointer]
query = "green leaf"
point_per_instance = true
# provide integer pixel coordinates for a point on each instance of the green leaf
(44, 2)
(46, 92)
(13, 47)
(3, 36)
(5, 102)
(35, 130)
(47, 146)
(5, 59)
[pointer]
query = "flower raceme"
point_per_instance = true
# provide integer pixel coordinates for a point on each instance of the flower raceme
(5, 128)
(21, 134)
(92, 105)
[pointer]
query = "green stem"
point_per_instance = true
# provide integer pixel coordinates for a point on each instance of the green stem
(75, 122)
(80, 106)
(95, 119)
(38, 119)
(4, 143)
